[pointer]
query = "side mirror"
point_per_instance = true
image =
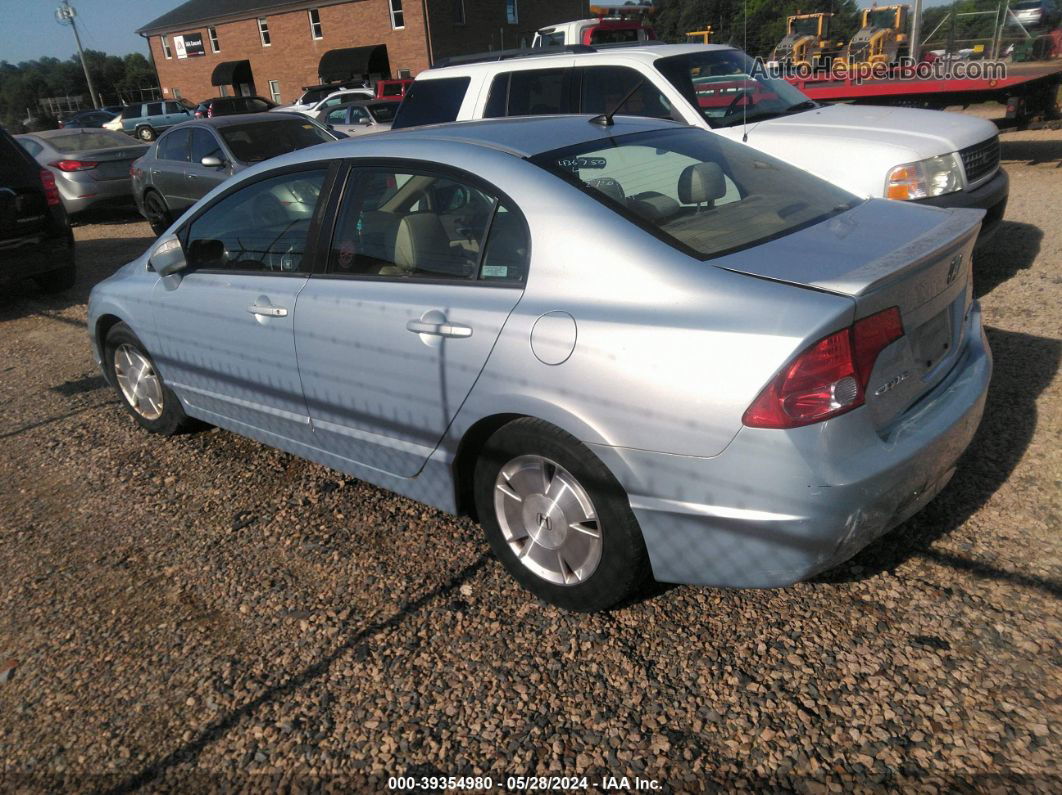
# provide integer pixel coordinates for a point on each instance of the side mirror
(366, 122)
(168, 257)
(212, 162)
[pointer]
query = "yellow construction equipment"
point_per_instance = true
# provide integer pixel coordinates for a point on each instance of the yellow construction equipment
(807, 40)
(700, 36)
(882, 39)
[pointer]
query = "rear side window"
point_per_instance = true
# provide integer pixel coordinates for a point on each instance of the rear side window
(173, 146)
(30, 146)
(531, 92)
(153, 109)
(257, 105)
(432, 102)
(603, 87)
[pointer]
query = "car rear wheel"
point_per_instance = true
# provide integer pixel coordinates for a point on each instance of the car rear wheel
(158, 214)
(557, 518)
(140, 386)
(145, 133)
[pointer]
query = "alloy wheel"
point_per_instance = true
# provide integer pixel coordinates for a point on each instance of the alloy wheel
(139, 382)
(548, 520)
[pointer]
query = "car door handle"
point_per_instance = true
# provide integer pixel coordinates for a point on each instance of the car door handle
(439, 329)
(267, 311)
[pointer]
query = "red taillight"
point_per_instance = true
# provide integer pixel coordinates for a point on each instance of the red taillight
(74, 165)
(210, 111)
(827, 379)
(51, 192)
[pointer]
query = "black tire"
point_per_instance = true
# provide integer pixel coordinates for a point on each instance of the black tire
(623, 568)
(145, 133)
(58, 280)
(172, 420)
(156, 212)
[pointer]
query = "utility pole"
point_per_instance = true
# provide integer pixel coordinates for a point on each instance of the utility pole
(64, 15)
(914, 43)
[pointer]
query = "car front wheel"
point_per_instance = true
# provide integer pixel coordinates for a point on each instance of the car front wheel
(140, 386)
(557, 518)
(158, 214)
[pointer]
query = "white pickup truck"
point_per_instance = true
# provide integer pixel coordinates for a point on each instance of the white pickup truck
(938, 158)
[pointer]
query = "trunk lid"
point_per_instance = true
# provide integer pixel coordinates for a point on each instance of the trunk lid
(113, 163)
(884, 254)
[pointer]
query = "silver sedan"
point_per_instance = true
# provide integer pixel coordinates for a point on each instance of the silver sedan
(628, 347)
(90, 166)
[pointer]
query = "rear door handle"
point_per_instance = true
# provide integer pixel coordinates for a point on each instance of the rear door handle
(267, 311)
(439, 329)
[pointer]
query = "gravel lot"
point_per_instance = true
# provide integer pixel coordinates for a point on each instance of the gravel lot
(204, 611)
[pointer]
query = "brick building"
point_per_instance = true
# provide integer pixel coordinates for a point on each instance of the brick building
(273, 48)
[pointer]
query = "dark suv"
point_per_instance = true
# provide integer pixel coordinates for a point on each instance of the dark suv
(227, 106)
(35, 236)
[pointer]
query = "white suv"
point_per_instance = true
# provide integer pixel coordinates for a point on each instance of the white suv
(944, 159)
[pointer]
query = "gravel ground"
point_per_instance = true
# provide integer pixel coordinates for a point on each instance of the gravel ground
(205, 612)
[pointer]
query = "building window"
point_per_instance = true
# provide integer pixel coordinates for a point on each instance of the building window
(315, 24)
(176, 93)
(397, 18)
(274, 90)
(512, 14)
(405, 74)
(459, 12)
(263, 31)
(223, 91)
(166, 47)
(214, 46)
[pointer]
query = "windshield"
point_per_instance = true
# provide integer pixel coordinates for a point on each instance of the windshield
(719, 83)
(549, 38)
(703, 194)
(809, 26)
(257, 141)
(881, 19)
(383, 112)
(81, 142)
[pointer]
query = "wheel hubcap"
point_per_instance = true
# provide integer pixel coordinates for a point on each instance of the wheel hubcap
(547, 519)
(138, 381)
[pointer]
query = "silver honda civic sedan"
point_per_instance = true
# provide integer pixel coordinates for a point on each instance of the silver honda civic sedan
(629, 350)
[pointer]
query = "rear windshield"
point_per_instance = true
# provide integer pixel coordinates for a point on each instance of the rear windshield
(81, 142)
(703, 194)
(431, 102)
(257, 141)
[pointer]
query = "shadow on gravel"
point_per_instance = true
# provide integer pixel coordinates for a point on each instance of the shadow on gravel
(108, 215)
(1031, 153)
(1014, 248)
(356, 642)
(1024, 367)
(96, 259)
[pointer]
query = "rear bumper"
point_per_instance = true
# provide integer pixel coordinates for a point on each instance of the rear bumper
(990, 197)
(780, 506)
(78, 196)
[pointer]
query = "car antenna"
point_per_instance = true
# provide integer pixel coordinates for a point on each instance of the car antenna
(745, 48)
(605, 119)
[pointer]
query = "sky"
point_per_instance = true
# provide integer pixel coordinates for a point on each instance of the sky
(28, 28)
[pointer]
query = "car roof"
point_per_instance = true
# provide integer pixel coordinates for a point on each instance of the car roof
(522, 136)
(241, 118)
(644, 52)
(361, 103)
(46, 134)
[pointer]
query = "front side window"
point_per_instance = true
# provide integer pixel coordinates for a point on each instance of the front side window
(166, 47)
(260, 228)
(274, 90)
(727, 89)
(173, 146)
(263, 31)
(316, 31)
(530, 92)
(397, 17)
(431, 102)
(257, 141)
(337, 116)
(404, 225)
(215, 46)
(204, 144)
(383, 112)
(703, 194)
